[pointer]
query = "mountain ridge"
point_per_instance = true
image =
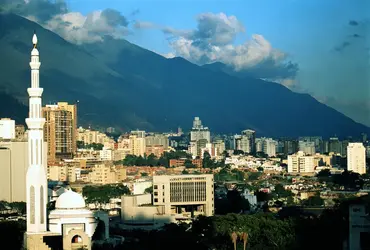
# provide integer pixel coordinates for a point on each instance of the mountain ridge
(123, 85)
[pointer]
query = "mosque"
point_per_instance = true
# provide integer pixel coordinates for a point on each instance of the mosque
(71, 225)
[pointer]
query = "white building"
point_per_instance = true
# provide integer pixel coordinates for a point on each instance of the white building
(199, 137)
(70, 214)
(179, 193)
(248, 141)
(300, 163)
(137, 143)
(356, 158)
(106, 154)
(7, 129)
(269, 147)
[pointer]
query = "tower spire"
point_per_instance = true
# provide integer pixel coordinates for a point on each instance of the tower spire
(34, 39)
(36, 182)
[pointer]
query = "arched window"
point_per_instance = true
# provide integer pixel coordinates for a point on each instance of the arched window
(77, 239)
(32, 204)
(42, 205)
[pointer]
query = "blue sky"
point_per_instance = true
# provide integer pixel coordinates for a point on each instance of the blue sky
(308, 31)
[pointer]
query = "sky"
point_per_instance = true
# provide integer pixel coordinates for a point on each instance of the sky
(319, 47)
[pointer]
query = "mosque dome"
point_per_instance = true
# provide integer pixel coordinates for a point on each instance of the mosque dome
(70, 200)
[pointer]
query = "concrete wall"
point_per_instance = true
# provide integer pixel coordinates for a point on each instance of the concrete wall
(17, 164)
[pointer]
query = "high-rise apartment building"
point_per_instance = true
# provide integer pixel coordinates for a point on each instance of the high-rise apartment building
(269, 147)
(356, 158)
(137, 143)
(248, 141)
(73, 109)
(58, 132)
(300, 163)
(266, 145)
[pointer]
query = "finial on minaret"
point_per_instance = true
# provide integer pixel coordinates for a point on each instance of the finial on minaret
(34, 39)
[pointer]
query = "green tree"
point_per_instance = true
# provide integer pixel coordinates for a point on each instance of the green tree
(281, 192)
(315, 200)
(100, 195)
(149, 190)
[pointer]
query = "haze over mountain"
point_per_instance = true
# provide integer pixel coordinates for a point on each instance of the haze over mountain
(122, 85)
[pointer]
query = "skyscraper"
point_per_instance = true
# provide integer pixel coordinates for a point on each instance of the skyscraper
(36, 182)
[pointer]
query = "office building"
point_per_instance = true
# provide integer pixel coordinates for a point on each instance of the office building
(184, 193)
(356, 158)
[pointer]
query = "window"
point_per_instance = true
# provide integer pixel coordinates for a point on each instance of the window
(155, 199)
(32, 202)
(155, 193)
(155, 186)
(163, 200)
(42, 205)
(162, 186)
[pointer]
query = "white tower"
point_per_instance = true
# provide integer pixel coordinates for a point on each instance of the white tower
(36, 182)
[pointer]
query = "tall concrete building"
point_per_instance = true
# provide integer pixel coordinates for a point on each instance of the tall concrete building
(14, 165)
(137, 143)
(58, 132)
(199, 137)
(300, 163)
(356, 158)
(248, 141)
(177, 193)
(269, 147)
(73, 109)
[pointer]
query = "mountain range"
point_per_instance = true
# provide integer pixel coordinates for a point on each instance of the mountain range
(125, 86)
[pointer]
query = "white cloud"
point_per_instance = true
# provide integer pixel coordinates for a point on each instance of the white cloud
(214, 41)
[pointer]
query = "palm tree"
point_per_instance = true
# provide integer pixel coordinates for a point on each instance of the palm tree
(244, 237)
(234, 238)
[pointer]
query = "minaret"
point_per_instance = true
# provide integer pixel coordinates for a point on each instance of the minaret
(36, 182)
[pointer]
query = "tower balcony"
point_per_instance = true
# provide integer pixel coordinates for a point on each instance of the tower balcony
(35, 123)
(35, 92)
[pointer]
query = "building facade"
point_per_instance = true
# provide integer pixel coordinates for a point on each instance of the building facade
(300, 163)
(58, 132)
(356, 158)
(184, 194)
